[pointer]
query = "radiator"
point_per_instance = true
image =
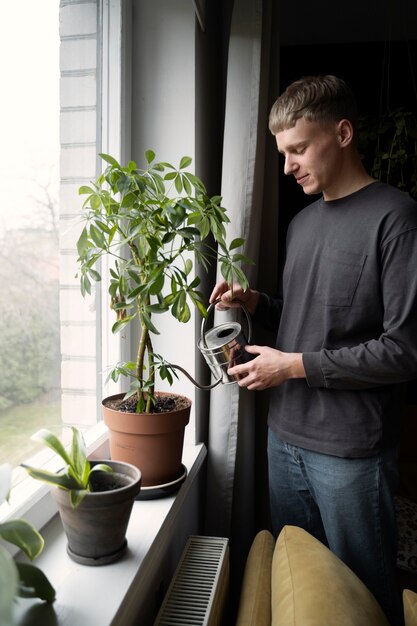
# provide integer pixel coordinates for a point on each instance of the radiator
(197, 594)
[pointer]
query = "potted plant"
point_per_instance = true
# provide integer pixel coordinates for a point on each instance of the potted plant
(94, 499)
(151, 223)
(388, 144)
(19, 579)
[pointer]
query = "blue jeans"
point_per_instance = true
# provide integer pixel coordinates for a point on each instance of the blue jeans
(345, 503)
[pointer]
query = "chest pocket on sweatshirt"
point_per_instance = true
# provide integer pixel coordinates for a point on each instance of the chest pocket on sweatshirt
(338, 276)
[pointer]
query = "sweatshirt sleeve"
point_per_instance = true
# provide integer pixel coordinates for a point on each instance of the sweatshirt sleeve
(391, 357)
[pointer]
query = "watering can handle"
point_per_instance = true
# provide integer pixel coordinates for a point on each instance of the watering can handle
(203, 338)
(210, 308)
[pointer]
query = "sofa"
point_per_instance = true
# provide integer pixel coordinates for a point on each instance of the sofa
(297, 581)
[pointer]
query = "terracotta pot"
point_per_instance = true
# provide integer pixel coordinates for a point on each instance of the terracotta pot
(151, 441)
(96, 529)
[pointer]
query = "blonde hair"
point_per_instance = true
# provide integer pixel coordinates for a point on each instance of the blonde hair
(316, 98)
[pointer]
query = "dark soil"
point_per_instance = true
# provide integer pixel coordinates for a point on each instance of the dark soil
(103, 481)
(106, 487)
(163, 404)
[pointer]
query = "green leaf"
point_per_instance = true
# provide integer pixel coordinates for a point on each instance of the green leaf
(149, 156)
(136, 292)
(196, 182)
(34, 584)
(148, 323)
(85, 189)
(161, 307)
(187, 186)
(157, 284)
(236, 243)
(188, 266)
(165, 374)
(109, 159)
(128, 200)
(76, 496)
(23, 535)
(97, 236)
(185, 162)
(120, 324)
(102, 467)
(47, 438)
(103, 227)
(83, 243)
(95, 201)
(123, 184)
(94, 275)
(8, 587)
(79, 463)
(178, 184)
(51, 478)
(185, 313)
(178, 304)
(200, 306)
(85, 285)
(195, 282)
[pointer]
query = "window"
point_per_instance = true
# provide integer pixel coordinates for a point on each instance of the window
(87, 112)
(29, 225)
(52, 339)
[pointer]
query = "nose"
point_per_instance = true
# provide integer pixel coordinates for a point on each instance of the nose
(289, 165)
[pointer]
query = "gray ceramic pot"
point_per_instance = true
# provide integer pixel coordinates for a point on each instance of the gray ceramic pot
(96, 529)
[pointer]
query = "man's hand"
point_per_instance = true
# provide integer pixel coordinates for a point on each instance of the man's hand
(230, 298)
(269, 369)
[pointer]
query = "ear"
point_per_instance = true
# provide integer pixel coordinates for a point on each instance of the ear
(344, 132)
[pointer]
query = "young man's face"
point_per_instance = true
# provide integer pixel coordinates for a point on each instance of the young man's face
(312, 154)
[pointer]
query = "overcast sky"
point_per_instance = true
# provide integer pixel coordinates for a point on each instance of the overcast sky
(29, 103)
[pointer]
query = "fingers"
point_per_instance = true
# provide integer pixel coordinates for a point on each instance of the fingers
(219, 289)
(228, 298)
(261, 372)
(243, 369)
(252, 349)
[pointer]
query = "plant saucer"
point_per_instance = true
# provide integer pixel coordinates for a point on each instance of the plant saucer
(161, 491)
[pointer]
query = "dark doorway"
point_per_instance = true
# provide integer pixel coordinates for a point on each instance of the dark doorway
(380, 75)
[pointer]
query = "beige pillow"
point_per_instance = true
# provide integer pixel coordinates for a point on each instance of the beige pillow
(255, 594)
(410, 607)
(312, 587)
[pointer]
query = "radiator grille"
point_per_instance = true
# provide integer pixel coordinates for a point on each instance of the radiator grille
(198, 590)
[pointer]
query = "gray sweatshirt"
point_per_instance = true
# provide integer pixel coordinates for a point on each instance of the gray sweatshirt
(349, 304)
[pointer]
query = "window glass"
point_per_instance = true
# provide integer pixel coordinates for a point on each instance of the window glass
(30, 354)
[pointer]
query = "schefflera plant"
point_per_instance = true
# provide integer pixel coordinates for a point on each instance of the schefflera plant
(153, 223)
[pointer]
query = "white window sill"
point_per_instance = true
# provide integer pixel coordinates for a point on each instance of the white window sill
(122, 592)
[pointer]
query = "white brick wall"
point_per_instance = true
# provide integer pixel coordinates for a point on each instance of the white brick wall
(78, 137)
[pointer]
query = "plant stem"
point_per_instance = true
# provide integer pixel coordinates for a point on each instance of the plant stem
(141, 355)
(151, 365)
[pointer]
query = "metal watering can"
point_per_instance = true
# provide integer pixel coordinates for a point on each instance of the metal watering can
(222, 347)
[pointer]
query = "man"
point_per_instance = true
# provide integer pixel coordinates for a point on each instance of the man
(346, 339)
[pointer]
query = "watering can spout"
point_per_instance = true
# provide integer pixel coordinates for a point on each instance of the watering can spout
(222, 347)
(195, 383)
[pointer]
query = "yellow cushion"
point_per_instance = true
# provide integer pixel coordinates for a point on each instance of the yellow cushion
(410, 607)
(312, 587)
(255, 594)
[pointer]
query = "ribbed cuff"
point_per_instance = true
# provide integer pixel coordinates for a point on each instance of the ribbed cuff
(312, 367)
